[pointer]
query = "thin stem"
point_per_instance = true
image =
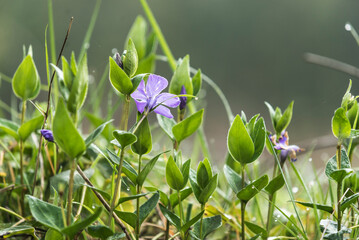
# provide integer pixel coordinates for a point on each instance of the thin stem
(104, 203)
(118, 183)
(70, 191)
(139, 122)
(125, 112)
(138, 201)
(243, 205)
(180, 211)
(350, 150)
(339, 187)
(160, 36)
(48, 102)
(271, 202)
(23, 110)
(81, 203)
(201, 222)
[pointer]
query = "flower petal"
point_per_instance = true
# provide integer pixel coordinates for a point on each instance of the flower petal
(140, 105)
(140, 93)
(167, 99)
(155, 85)
(163, 111)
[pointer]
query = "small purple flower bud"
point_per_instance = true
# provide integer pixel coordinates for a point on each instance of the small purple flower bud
(183, 100)
(47, 134)
(118, 60)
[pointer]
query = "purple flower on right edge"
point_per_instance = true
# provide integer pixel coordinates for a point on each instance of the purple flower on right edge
(286, 149)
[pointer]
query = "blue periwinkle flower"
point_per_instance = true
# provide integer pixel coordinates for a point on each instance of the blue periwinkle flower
(183, 100)
(286, 149)
(47, 134)
(149, 97)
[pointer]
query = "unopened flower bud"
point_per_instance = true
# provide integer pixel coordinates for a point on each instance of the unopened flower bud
(118, 60)
(183, 99)
(47, 134)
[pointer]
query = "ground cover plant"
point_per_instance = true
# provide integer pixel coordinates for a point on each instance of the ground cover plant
(61, 179)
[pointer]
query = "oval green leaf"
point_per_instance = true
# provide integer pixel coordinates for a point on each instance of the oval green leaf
(187, 127)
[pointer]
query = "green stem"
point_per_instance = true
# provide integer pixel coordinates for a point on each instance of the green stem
(271, 203)
(350, 150)
(180, 212)
(243, 205)
(125, 113)
(138, 201)
(23, 110)
(159, 34)
(201, 222)
(117, 191)
(70, 191)
(139, 122)
(52, 42)
(339, 187)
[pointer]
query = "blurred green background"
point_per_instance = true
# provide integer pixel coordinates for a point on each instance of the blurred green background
(252, 49)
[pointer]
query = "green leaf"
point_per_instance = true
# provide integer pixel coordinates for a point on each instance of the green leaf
(117, 236)
(119, 79)
(193, 180)
(348, 201)
(184, 194)
(240, 144)
(52, 234)
(275, 184)
(138, 35)
(79, 87)
(78, 226)
(127, 169)
(47, 214)
(166, 124)
(130, 61)
(65, 134)
(325, 208)
(181, 77)
(208, 225)
(10, 232)
(144, 139)
(187, 127)
(9, 127)
(147, 65)
(97, 132)
(63, 178)
(171, 217)
(188, 224)
(339, 175)
(128, 217)
(26, 81)
(233, 178)
(30, 126)
(137, 79)
(185, 171)
(258, 136)
(208, 190)
(354, 133)
(68, 74)
(253, 189)
(256, 229)
(147, 169)
(331, 230)
(332, 165)
(284, 121)
(125, 199)
(148, 206)
(340, 124)
(100, 231)
(73, 63)
(197, 82)
(202, 175)
(174, 176)
(271, 113)
(124, 138)
(208, 166)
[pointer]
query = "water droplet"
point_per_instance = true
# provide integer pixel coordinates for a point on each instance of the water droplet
(278, 216)
(128, 189)
(311, 183)
(310, 159)
(196, 98)
(307, 209)
(275, 220)
(93, 207)
(348, 27)
(114, 50)
(252, 187)
(87, 46)
(254, 219)
(295, 189)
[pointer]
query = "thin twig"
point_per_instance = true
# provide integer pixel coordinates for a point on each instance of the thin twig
(332, 63)
(103, 201)
(48, 103)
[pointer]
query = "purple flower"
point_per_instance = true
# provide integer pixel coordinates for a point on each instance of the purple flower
(183, 100)
(286, 149)
(47, 134)
(149, 98)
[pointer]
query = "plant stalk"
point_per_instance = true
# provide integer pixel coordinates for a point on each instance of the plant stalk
(201, 222)
(339, 187)
(70, 191)
(138, 201)
(272, 199)
(180, 212)
(23, 110)
(243, 205)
